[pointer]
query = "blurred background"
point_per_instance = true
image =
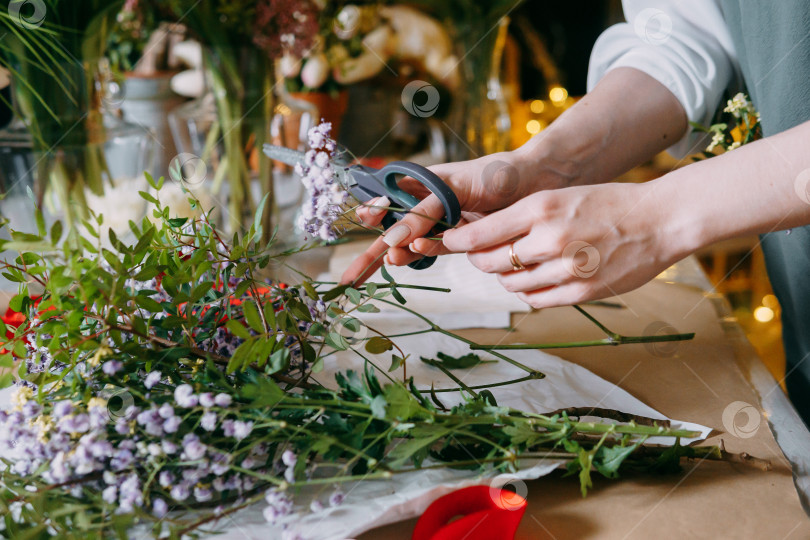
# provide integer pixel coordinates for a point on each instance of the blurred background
(191, 90)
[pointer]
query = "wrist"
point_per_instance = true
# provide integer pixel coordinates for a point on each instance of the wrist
(681, 222)
(548, 163)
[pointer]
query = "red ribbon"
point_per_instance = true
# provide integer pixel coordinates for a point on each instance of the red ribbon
(487, 513)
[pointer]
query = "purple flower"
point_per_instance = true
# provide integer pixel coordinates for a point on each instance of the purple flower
(325, 196)
(110, 494)
(207, 400)
(223, 400)
(168, 446)
(159, 508)
(121, 460)
(129, 494)
(184, 396)
(202, 494)
(122, 427)
(278, 506)
(241, 429)
(166, 411)
(336, 499)
(289, 458)
(151, 380)
(79, 423)
(165, 478)
(154, 449)
(180, 492)
(193, 449)
(209, 421)
(31, 409)
(316, 505)
(228, 427)
(98, 417)
(172, 424)
(289, 475)
(111, 367)
(100, 449)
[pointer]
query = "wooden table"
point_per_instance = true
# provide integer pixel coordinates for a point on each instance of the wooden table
(694, 381)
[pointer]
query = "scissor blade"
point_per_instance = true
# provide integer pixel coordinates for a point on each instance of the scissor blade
(283, 154)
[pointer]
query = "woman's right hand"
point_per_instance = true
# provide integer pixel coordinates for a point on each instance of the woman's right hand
(482, 185)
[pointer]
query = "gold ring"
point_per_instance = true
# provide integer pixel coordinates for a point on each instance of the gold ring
(513, 258)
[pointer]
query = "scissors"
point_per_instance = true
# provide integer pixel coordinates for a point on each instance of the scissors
(366, 183)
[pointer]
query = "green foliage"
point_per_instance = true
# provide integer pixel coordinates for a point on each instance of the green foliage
(179, 300)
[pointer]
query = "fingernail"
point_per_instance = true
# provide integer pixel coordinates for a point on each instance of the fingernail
(386, 260)
(412, 247)
(395, 235)
(379, 206)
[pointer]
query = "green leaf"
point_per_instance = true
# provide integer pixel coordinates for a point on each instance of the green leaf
(401, 404)
(396, 362)
(238, 329)
(399, 298)
(280, 360)
(336, 341)
(148, 197)
(457, 362)
(435, 398)
(310, 290)
(371, 288)
(331, 294)
(378, 405)
(263, 393)
(241, 357)
(56, 231)
(353, 295)
(257, 219)
(609, 459)
(6, 360)
(386, 276)
(416, 449)
(148, 304)
(368, 308)
(379, 345)
(251, 313)
(6, 380)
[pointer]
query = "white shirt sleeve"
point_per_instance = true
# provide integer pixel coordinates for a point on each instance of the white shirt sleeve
(684, 45)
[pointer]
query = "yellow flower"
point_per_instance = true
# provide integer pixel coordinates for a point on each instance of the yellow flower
(100, 353)
(20, 396)
(44, 425)
(96, 402)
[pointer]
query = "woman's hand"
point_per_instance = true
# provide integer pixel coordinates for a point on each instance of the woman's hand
(577, 244)
(481, 185)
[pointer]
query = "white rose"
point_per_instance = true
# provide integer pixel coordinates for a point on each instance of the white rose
(347, 22)
(315, 71)
(290, 66)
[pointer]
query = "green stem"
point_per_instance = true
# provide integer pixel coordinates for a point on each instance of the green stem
(620, 340)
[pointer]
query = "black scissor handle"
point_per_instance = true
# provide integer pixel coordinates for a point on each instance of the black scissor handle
(429, 179)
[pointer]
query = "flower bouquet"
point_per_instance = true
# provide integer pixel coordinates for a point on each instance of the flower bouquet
(164, 384)
(742, 126)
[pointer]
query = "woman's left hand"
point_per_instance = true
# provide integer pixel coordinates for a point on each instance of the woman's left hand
(577, 244)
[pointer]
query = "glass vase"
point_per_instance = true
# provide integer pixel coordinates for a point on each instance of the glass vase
(481, 111)
(73, 157)
(227, 128)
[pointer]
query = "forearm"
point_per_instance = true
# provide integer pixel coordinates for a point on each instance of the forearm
(624, 121)
(759, 188)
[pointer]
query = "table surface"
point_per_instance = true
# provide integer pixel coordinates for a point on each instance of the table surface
(694, 381)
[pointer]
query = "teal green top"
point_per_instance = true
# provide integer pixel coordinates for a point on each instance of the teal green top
(772, 39)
